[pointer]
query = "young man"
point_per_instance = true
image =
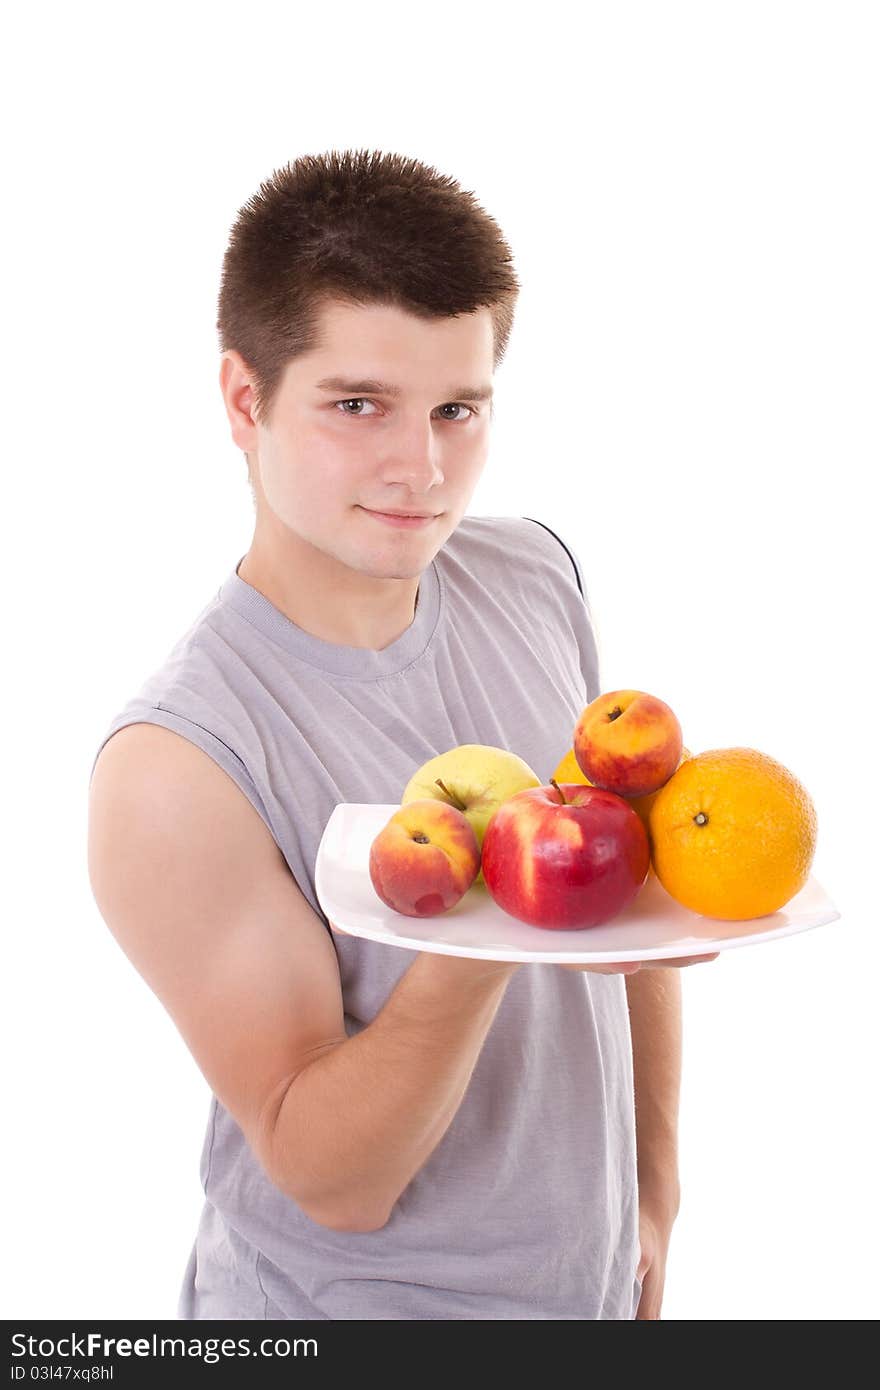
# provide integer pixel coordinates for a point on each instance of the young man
(392, 1134)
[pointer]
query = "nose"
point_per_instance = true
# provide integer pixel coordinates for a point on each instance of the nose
(413, 459)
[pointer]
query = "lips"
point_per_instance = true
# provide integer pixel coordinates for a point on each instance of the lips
(423, 515)
(406, 520)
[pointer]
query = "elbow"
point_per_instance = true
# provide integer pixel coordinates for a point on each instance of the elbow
(335, 1208)
(357, 1222)
(334, 1213)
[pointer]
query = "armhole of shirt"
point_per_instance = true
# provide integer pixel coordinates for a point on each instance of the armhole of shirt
(146, 712)
(577, 573)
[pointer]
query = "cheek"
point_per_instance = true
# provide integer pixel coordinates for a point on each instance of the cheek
(473, 458)
(280, 482)
(319, 475)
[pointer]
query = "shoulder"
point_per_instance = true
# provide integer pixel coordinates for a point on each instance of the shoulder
(566, 546)
(195, 693)
(516, 540)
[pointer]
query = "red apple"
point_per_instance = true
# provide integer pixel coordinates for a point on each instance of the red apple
(565, 855)
(425, 858)
(628, 742)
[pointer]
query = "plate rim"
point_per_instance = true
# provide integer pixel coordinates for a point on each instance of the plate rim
(559, 956)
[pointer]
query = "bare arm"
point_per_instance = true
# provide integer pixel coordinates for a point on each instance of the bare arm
(356, 1125)
(654, 999)
(200, 898)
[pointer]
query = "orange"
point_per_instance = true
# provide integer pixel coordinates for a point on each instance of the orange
(733, 834)
(569, 770)
(643, 804)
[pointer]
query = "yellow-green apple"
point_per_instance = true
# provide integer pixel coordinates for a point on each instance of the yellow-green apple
(424, 859)
(565, 856)
(628, 742)
(475, 778)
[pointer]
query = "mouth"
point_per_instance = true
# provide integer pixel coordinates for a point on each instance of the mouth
(407, 520)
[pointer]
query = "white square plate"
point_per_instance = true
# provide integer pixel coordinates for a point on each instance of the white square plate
(654, 925)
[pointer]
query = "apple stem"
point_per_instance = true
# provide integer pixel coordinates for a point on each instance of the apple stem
(452, 797)
(559, 789)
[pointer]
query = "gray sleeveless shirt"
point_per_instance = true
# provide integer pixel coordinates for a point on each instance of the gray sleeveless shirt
(528, 1206)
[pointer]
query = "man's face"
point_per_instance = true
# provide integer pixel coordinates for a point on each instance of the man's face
(334, 454)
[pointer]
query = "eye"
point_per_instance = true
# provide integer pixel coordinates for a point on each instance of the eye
(454, 405)
(352, 400)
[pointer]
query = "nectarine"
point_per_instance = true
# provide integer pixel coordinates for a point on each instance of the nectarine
(628, 742)
(424, 859)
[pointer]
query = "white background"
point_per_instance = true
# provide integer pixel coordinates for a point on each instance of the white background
(689, 397)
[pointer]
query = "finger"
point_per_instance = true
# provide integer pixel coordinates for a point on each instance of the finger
(681, 960)
(624, 967)
(630, 967)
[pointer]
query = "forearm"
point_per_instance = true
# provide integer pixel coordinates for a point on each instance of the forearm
(654, 998)
(359, 1122)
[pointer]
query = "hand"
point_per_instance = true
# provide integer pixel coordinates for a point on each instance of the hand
(629, 967)
(623, 967)
(457, 969)
(654, 1231)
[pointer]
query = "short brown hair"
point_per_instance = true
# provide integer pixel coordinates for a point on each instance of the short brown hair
(358, 227)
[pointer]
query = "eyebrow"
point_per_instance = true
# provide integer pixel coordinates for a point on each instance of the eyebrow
(383, 388)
